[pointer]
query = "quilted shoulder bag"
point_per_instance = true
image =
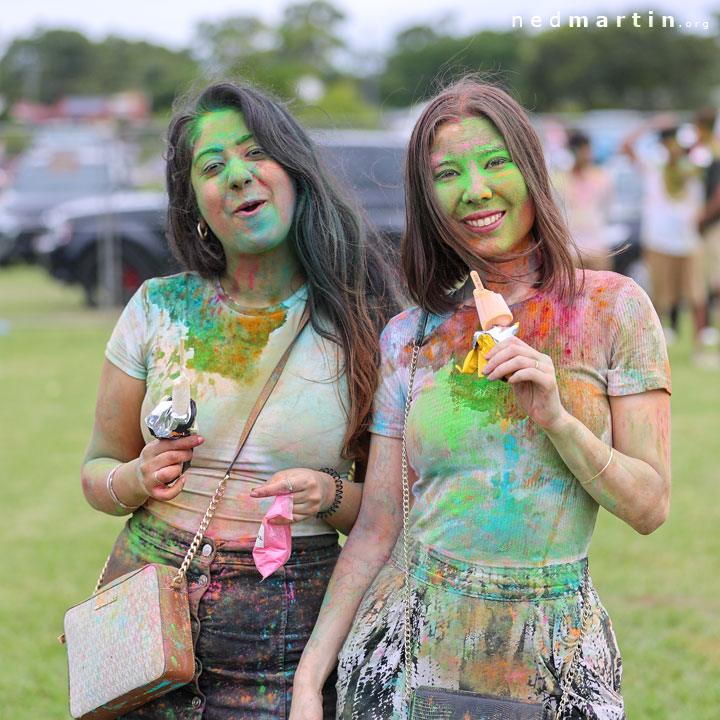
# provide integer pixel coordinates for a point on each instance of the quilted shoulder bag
(131, 641)
(432, 703)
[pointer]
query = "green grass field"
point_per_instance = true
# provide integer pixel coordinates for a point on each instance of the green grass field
(662, 591)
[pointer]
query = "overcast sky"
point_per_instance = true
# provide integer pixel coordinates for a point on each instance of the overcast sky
(369, 25)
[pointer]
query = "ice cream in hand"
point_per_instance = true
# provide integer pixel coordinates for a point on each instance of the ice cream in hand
(496, 322)
(491, 306)
(175, 416)
(181, 388)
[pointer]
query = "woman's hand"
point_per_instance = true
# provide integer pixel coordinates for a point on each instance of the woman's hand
(312, 492)
(159, 466)
(532, 375)
(306, 703)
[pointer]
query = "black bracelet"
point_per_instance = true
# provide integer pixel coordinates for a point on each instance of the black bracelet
(338, 493)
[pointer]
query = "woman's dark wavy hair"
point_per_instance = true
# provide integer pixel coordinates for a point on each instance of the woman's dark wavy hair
(350, 281)
(434, 256)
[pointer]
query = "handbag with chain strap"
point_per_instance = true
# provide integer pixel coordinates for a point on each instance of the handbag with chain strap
(131, 641)
(431, 703)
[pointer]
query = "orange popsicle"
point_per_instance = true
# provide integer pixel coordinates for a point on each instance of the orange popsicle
(491, 306)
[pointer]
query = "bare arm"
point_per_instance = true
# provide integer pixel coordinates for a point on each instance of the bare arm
(635, 486)
(654, 124)
(366, 551)
(116, 438)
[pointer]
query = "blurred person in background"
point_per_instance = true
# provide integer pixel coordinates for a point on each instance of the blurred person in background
(708, 140)
(586, 192)
(266, 235)
(672, 207)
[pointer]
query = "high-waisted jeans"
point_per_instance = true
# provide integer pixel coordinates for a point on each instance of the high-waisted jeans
(248, 634)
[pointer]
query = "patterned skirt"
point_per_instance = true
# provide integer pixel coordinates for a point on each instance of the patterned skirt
(248, 633)
(504, 631)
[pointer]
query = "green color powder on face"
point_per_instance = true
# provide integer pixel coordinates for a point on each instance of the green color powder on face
(475, 175)
(229, 170)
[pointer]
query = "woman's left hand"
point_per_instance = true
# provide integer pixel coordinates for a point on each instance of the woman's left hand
(532, 375)
(312, 491)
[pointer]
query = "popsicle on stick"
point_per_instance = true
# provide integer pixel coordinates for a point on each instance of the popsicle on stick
(181, 388)
(491, 306)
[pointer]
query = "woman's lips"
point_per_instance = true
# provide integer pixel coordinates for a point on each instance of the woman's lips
(482, 223)
(250, 208)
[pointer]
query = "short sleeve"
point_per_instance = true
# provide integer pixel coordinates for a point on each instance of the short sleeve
(389, 404)
(128, 344)
(639, 360)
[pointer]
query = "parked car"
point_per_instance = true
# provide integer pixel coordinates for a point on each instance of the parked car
(48, 175)
(370, 162)
(70, 247)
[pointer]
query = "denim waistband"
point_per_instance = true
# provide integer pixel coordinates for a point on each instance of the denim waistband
(525, 583)
(157, 532)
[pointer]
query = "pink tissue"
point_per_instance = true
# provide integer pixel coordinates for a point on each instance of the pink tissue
(274, 543)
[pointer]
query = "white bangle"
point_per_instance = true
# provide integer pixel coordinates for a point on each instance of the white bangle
(111, 492)
(604, 468)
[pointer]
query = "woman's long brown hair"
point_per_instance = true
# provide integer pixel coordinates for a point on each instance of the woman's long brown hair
(435, 258)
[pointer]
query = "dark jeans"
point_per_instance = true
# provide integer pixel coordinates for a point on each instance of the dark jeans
(248, 634)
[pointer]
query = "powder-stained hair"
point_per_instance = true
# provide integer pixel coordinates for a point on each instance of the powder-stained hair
(435, 257)
(351, 284)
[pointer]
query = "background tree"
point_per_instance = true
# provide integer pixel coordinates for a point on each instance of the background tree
(620, 67)
(422, 54)
(54, 63)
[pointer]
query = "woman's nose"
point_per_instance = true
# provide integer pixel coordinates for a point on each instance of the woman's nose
(478, 188)
(239, 174)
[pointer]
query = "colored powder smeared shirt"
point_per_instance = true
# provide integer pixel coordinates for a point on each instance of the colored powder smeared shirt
(491, 488)
(231, 352)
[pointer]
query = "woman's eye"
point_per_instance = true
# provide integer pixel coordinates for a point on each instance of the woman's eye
(497, 161)
(211, 168)
(255, 152)
(444, 174)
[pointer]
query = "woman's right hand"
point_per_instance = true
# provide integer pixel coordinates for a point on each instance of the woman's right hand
(159, 466)
(306, 703)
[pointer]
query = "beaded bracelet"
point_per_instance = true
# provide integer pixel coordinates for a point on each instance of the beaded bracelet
(112, 494)
(338, 493)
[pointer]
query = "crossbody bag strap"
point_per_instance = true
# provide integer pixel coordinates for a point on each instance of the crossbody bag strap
(571, 674)
(220, 491)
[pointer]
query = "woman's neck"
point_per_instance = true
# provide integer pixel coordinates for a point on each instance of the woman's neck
(262, 280)
(515, 279)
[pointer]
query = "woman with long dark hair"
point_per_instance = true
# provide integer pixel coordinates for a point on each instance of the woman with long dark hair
(506, 478)
(266, 235)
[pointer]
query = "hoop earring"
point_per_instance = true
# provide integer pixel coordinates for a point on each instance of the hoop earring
(202, 230)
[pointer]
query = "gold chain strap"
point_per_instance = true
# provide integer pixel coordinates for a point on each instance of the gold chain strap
(586, 611)
(406, 530)
(195, 544)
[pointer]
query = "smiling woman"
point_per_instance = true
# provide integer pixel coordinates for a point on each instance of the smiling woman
(479, 581)
(268, 241)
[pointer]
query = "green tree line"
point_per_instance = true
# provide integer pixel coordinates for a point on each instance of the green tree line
(304, 55)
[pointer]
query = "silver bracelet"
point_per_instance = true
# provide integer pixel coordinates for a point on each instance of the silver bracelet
(604, 468)
(112, 494)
